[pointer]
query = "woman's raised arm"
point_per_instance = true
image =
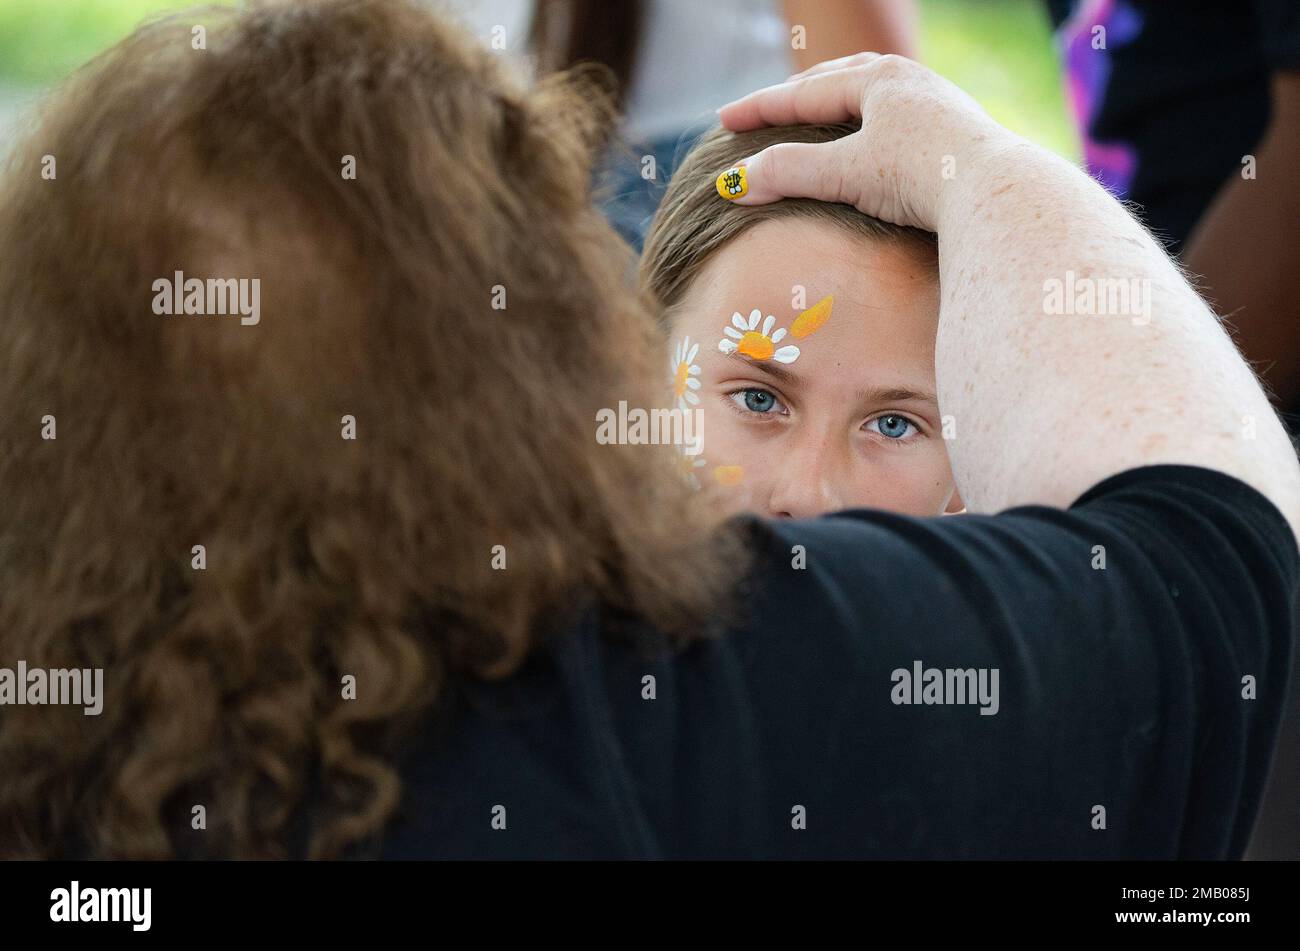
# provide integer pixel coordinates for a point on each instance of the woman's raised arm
(1070, 347)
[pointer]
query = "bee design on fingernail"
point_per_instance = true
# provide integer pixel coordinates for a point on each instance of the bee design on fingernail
(732, 183)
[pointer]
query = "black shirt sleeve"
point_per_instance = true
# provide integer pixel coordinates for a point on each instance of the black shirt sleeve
(1140, 639)
(1140, 642)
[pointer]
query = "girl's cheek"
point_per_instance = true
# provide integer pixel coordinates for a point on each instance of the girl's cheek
(729, 470)
(910, 484)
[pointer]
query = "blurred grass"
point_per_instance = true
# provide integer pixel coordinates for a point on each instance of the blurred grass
(998, 50)
(1002, 53)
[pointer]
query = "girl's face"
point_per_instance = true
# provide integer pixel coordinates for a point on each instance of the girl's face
(814, 413)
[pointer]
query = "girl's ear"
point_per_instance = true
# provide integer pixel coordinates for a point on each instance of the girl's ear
(955, 504)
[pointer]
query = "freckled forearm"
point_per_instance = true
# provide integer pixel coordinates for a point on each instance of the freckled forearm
(1048, 401)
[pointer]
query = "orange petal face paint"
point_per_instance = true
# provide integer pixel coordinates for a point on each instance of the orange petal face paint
(812, 318)
(728, 475)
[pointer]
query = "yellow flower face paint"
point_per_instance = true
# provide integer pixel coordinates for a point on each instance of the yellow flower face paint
(733, 184)
(755, 338)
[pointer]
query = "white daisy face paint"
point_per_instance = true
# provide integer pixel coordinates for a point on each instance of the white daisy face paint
(684, 374)
(745, 337)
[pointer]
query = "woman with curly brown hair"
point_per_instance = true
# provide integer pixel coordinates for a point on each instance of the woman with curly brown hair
(362, 580)
(310, 150)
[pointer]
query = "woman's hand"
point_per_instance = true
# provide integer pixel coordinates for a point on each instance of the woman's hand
(919, 132)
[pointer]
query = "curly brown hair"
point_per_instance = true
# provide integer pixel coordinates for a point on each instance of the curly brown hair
(381, 294)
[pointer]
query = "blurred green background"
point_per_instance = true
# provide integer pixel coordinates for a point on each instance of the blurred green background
(998, 50)
(1002, 52)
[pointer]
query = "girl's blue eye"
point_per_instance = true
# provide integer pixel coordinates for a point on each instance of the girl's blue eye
(892, 427)
(755, 400)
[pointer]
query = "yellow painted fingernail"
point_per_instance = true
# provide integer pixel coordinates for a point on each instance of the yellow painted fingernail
(733, 184)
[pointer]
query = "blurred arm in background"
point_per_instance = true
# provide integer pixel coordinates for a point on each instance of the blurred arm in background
(1246, 249)
(837, 28)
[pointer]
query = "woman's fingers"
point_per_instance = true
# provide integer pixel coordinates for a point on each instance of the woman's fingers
(912, 119)
(841, 62)
(791, 170)
(834, 96)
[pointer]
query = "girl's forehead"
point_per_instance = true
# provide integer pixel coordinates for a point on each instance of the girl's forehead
(787, 264)
(881, 309)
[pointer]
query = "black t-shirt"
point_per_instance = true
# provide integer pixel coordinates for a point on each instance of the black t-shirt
(1141, 640)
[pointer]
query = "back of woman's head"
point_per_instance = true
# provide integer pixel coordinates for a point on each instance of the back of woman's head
(441, 315)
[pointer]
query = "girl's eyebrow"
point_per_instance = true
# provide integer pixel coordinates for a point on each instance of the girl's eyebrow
(895, 394)
(869, 395)
(774, 370)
